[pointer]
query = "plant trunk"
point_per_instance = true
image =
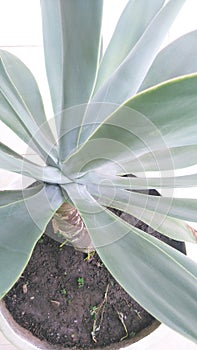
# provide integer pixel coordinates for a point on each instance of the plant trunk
(68, 223)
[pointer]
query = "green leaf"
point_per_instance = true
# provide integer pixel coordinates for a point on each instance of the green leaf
(131, 26)
(12, 196)
(180, 208)
(122, 136)
(22, 108)
(12, 161)
(71, 31)
(127, 78)
(164, 159)
(158, 118)
(26, 86)
(176, 59)
(168, 226)
(137, 183)
(160, 278)
(22, 224)
(172, 108)
(20, 95)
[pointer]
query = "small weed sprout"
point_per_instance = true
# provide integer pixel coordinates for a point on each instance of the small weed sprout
(80, 282)
(63, 291)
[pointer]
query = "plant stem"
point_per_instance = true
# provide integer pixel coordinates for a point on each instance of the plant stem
(68, 223)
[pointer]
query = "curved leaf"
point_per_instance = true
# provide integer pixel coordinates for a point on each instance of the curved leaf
(137, 183)
(170, 159)
(71, 31)
(160, 278)
(159, 118)
(126, 80)
(123, 136)
(168, 226)
(172, 108)
(131, 26)
(12, 161)
(128, 77)
(24, 222)
(26, 86)
(12, 196)
(180, 208)
(176, 59)
(22, 107)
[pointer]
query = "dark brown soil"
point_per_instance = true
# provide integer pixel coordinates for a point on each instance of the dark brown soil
(57, 294)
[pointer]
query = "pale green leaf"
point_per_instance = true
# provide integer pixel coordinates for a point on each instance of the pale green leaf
(176, 59)
(158, 118)
(169, 226)
(22, 224)
(172, 108)
(164, 159)
(180, 208)
(12, 196)
(22, 107)
(125, 135)
(12, 161)
(160, 278)
(71, 32)
(131, 26)
(127, 78)
(26, 85)
(138, 183)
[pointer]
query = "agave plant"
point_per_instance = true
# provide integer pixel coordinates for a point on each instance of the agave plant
(129, 110)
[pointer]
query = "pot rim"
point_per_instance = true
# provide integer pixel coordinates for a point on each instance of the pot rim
(24, 340)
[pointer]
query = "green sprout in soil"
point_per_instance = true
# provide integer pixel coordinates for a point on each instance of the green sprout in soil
(132, 334)
(80, 282)
(63, 291)
(93, 311)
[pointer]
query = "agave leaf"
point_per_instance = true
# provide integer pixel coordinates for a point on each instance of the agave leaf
(127, 78)
(21, 106)
(163, 159)
(22, 224)
(180, 208)
(167, 107)
(131, 26)
(150, 121)
(26, 85)
(9, 117)
(156, 275)
(123, 136)
(12, 196)
(176, 157)
(138, 183)
(71, 31)
(12, 161)
(176, 59)
(168, 226)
